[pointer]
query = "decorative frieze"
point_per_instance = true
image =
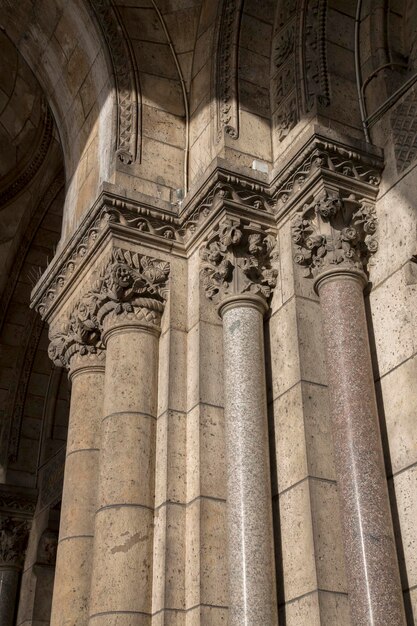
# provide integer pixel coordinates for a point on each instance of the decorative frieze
(14, 535)
(238, 258)
(332, 231)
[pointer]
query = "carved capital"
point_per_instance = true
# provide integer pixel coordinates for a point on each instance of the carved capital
(332, 231)
(14, 534)
(129, 288)
(239, 258)
(78, 342)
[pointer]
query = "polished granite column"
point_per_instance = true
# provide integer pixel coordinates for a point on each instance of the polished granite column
(76, 533)
(249, 513)
(237, 274)
(13, 541)
(334, 239)
(371, 559)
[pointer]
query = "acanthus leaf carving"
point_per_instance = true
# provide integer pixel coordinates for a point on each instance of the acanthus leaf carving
(127, 284)
(238, 258)
(14, 534)
(332, 231)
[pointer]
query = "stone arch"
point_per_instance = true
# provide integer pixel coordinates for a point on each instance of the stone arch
(60, 42)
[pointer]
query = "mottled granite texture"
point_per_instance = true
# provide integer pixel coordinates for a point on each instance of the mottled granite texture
(9, 580)
(371, 559)
(250, 536)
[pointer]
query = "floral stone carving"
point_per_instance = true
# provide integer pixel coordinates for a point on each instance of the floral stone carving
(238, 259)
(14, 535)
(331, 231)
(128, 283)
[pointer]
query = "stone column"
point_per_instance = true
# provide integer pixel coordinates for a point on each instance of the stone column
(13, 541)
(334, 240)
(237, 273)
(130, 315)
(85, 362)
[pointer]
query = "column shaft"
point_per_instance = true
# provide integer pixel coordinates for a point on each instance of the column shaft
(9, 581)
(75, 544)
(374, 582)
(122, 577)
(250, 535)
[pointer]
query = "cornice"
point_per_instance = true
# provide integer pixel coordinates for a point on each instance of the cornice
(19, 502)
(320, 158)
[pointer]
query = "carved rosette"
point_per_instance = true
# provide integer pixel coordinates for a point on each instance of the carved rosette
(14, 534)
(239, 259)
(129, 288)
(334, 232)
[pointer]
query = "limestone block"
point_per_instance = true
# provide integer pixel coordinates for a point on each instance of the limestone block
(205, 354)
(334, 609)
(172, 387)
(328, 539)
(172, 553)
(397, 223)
(398, 393)
(79, 498)
(170, 458)
(301, 611)
(206, 452)
(393, 305)
(297, 541)
(138, 375)
(73, 569)
(404, 491)
(207, 616)
(165, 92)
(206, 578)
(290, 444)
(123, 561)
(127, 475)
(283, 350)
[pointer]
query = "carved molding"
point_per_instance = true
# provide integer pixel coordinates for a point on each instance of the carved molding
(319, 159)
(19, 502)
(128, 287)
(226, 79)
(284, 69)
(128, 132)
(323, 157)
(14, 534)
(238, 258)
(334, 231)
(316, 78)
(29, 171)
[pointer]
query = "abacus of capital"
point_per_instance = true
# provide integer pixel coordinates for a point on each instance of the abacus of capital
(106, 307)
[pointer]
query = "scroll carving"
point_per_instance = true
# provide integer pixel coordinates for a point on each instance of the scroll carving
(316, 80)
(238, 258)
(226, 68)
(334, 231)
(14, 534)
(125, 76)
